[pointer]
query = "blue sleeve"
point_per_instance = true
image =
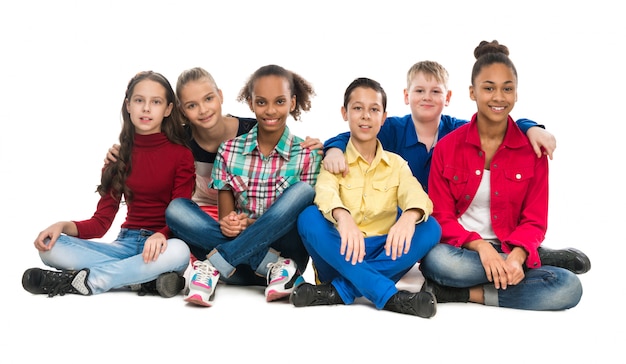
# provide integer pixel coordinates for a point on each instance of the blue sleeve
(340, 141)
(526, 124)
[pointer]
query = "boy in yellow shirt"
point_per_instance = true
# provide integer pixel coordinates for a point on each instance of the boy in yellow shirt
(370, 227)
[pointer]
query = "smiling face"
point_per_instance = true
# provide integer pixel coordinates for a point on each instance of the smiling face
(148, 107)
(365, 114)
(201, 102)
(272, 102)
(495, 92)
(426, 97)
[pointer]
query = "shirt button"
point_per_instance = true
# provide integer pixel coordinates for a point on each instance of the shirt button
(518, 176)
(478, 172)
(456, 178)
(467, 197)
(480, 154)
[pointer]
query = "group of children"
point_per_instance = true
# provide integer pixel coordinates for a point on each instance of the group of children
(365, 213)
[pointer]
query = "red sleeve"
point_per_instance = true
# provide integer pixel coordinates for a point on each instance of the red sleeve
(184, 181)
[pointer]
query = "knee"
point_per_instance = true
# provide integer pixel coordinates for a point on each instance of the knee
(307, 218)
(176, 209)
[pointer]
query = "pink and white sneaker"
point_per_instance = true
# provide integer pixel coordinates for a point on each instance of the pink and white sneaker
(204, 278)
(282, 277)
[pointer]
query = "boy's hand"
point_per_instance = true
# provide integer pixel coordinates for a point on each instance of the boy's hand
(542, 141)
(335, 162)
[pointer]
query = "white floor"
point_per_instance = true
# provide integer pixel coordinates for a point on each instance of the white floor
(241, 327)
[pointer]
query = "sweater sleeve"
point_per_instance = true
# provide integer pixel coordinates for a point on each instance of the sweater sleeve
(184, 182)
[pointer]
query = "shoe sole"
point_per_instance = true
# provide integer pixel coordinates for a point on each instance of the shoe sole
(272, 294)
(170, 284)
(197, 299)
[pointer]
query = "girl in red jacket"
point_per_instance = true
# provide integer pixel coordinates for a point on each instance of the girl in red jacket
(490, 195)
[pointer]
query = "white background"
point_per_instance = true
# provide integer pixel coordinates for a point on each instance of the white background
(64, 67)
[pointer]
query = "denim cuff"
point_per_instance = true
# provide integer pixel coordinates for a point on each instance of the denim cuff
(490, 294)
(271, 257)
(220, 264)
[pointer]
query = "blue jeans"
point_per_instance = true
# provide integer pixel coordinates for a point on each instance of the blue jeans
(274, 233)
(376, 277)
(544, 288)
(117, 264)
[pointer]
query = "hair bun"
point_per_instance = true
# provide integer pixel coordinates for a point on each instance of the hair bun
(490, 47)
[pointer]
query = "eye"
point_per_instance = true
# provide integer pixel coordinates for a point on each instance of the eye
(357, 108)
(375, 110)
(190, 106)
(281, 102)
(157, 102)
(209, 98)
(260, 102)
(137, 100)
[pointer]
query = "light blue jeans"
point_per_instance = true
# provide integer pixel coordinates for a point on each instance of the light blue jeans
(545, 288)
(243, 259)
(117, 264)
(376, 277)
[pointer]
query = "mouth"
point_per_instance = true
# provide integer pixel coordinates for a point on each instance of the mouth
(145, 119)
(497, 108)
(271, 121)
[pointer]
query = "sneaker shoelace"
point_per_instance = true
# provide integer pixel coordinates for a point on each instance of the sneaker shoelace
(275, 270)
(203, 271)
(58, 283)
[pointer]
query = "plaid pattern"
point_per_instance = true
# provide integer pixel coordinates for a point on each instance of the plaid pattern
(257, 180)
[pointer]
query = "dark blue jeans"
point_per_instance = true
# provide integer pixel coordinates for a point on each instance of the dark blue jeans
(249, 252)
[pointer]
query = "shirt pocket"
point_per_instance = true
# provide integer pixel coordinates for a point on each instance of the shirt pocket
(457, 181)
(386, 198)
(284, 182)
(517, 180)
(351, 194)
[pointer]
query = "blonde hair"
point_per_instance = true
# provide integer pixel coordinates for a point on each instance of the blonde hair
(429, 68)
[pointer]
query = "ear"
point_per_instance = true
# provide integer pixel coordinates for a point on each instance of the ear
(448, 97)
(127, 106)
(293, 103)
(168, 111)
(344, 113)
(384, 119)
(406, 97)
(250, 105)
(471, 91)
(219, 92)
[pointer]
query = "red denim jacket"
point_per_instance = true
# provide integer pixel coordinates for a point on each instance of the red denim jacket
(519, 188)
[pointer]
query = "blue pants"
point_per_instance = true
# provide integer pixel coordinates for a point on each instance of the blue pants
(544, 288)
(249, 252)
(376, 277)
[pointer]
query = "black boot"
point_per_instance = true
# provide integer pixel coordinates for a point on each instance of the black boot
(52, 283)
(307, 294)
(571, 259)
(444, 293)
(166, 285)
(422, 304)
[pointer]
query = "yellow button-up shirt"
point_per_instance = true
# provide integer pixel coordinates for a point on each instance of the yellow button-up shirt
(372, 192)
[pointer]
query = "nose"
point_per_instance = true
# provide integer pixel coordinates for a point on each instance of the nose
(146, 107)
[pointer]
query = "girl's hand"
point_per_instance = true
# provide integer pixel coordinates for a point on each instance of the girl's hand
(48, 237)
(233, 224)
(154, 246)
(493, 263)
(112, 154)
(313, 144)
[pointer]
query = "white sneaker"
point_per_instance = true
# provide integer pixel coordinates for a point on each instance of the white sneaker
(204, 278)
(282, 277)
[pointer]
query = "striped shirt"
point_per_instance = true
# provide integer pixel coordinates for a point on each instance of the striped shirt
(257, 180)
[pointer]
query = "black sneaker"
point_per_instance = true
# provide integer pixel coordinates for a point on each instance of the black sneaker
(422, 304)
(166, 285)
(571, 259)
(52, 283)
(307, 294)
(445, 294)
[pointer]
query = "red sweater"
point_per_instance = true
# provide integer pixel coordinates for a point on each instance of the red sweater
(161, 171)
(519, 188)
